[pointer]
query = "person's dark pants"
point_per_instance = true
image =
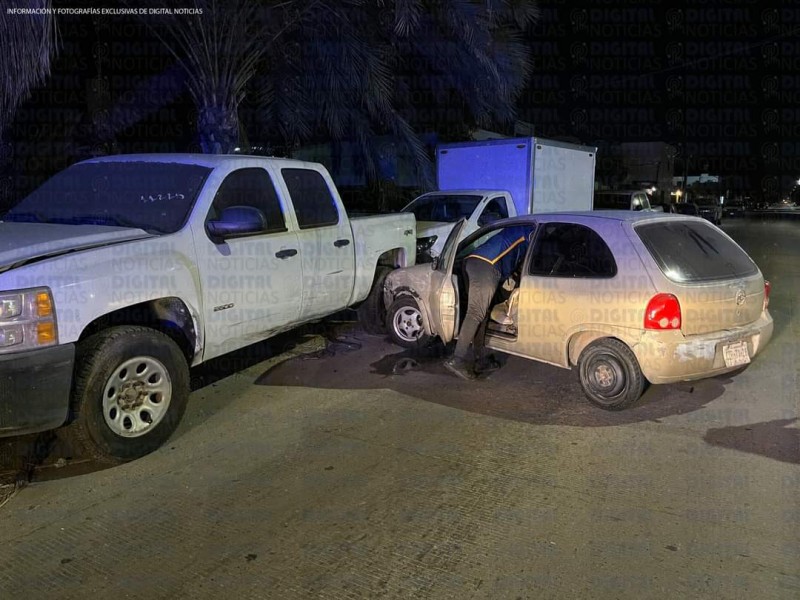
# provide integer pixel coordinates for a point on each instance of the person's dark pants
(482, 282)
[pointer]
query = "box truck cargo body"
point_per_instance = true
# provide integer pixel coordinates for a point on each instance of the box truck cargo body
(541, 175)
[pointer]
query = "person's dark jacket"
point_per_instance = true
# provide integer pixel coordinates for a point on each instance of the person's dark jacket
(504, 250)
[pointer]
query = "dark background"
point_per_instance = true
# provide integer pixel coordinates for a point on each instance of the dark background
(719, 81)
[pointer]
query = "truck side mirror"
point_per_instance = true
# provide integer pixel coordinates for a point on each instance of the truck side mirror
(236, 221)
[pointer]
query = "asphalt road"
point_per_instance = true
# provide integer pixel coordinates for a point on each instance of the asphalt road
(331, 464)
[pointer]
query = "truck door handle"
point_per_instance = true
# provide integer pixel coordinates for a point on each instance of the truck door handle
(286, 253)
(340, 243)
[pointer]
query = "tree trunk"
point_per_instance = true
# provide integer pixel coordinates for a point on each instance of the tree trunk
(218, 129)
(6, 176)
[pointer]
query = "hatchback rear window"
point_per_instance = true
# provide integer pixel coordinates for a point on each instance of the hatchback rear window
(688, 251)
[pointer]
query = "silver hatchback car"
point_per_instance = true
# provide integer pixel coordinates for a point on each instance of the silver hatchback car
(626, 297)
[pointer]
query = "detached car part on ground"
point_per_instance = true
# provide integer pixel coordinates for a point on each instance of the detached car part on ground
(625, 297)
(121, 273)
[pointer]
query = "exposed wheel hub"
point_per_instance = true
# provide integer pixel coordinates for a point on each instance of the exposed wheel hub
(132, 395)
(607, 376)
(604, 376)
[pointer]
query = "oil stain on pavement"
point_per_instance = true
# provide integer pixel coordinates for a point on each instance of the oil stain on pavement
(521, 390)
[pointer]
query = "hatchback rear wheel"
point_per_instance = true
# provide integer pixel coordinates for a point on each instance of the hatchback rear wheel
(610, 375)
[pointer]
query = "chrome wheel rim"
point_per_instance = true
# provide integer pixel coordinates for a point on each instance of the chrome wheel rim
(136, 396)
(407, 323)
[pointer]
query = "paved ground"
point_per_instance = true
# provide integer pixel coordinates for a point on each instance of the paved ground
(359, 471)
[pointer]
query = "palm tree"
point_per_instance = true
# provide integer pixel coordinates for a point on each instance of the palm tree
(349, 68)
(27, 45)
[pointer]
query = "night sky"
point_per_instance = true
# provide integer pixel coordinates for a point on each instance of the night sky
(720, 81)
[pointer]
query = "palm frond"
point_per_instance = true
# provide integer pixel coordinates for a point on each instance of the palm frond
(28, 44)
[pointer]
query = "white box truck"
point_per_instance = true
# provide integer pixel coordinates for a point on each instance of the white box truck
(485, 180)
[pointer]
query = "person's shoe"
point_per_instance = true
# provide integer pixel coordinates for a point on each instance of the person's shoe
(459, 368)
(486, 364)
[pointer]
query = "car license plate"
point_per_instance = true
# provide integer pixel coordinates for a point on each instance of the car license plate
(735, 354)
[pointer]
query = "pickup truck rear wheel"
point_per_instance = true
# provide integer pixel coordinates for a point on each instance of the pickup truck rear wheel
(129, 393)
(404, 322)
(610, 375)
(372, 311)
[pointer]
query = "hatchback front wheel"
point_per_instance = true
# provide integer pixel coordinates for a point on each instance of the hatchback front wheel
(404, 322)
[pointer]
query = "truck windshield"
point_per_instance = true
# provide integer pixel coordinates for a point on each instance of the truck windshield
(154, 196)
(443, 208)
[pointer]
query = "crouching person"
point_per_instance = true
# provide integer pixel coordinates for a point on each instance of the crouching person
(486, 267)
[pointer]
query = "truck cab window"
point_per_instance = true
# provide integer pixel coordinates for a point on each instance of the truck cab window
(494, 210)
(312, 199)
(250, 187)
(571, 250)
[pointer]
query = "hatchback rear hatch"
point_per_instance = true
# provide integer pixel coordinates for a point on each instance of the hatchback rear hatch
(717, 284)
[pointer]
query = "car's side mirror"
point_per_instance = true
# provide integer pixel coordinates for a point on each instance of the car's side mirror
(236, 221)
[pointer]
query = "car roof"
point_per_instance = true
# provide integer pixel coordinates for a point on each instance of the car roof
(590, 216)
(470, 192)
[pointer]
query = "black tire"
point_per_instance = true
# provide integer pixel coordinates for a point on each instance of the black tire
(610, 375)
(404, 324)
(371, 312)
(154, 385)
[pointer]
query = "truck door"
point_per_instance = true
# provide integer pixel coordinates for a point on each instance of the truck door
(443, 293)
(250, 284)
(327, 249)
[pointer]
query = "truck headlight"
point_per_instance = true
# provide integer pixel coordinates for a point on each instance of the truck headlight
(27, 320)
(426, 243)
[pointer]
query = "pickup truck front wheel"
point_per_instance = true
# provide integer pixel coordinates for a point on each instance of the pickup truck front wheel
(129, 394)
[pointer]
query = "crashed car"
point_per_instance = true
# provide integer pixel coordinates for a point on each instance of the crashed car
(625, 298)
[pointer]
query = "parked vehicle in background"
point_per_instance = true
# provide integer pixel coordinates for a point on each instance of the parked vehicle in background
(784, 206)
(436, 212)
(710, 209)
(624, 297)
(622, 200)
(120, 273)
(685, 208)
(733, 208)
(475, 179)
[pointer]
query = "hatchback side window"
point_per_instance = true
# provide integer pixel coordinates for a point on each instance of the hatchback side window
(250, 187)
(571, 250)
(312, 199)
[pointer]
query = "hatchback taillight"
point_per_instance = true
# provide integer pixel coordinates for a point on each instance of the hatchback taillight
(663, 312)
(767, 289)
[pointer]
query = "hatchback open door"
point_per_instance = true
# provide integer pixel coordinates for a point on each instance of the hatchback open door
(443, 294)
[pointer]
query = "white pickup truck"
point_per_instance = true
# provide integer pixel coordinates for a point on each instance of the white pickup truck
(120, 273)
(438, 212)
